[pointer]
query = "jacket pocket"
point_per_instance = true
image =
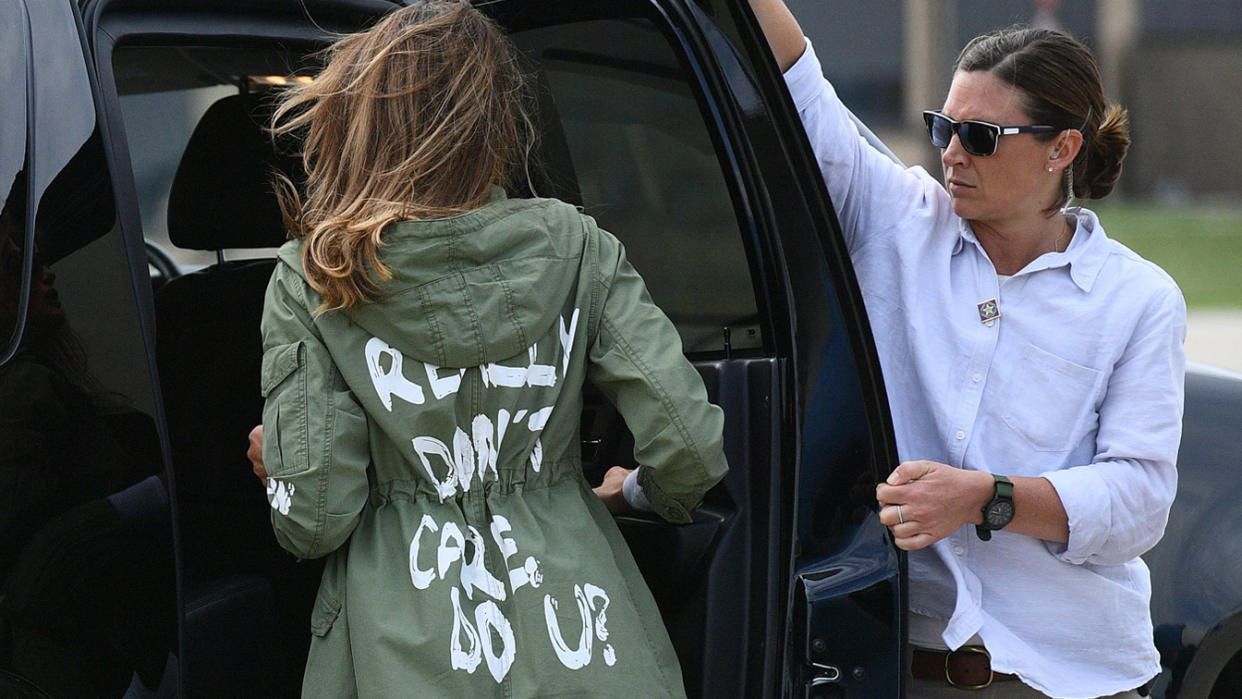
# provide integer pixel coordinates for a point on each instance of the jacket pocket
(324, 615)
(328, 601)
(286, 435)
(1050, 401)
(279, 363)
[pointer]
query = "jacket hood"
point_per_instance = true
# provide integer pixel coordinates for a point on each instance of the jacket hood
(474, 288)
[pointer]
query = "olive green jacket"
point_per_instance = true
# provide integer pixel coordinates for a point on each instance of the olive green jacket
(429, 445)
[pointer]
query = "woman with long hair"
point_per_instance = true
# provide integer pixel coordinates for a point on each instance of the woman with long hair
(426, 340)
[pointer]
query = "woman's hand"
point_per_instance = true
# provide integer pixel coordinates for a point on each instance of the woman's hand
(924, 501)
(610, 490)
(255, 454)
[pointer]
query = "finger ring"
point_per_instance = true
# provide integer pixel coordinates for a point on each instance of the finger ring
(900, 519)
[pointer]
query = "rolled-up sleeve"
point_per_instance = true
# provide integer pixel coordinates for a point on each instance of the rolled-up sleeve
(315, 441)
(637, 362)
(1118, 506)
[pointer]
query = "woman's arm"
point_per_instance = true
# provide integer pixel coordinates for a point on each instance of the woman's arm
(781, 30)
(637, 362)
(875, 197)
(937, 500)
(315, 447)
(1106, 512)
(1119, 504)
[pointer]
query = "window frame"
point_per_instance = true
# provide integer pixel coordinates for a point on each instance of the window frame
(25, 49)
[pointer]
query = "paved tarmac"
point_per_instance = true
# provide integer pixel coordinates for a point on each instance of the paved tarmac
(1215, 337)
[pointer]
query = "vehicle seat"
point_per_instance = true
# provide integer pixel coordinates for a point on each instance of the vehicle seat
(208, 347)
(209, 354)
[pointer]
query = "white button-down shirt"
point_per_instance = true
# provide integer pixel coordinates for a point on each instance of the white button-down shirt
(1078, 380)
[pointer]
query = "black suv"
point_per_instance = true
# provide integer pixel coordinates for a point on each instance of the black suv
(134, 539)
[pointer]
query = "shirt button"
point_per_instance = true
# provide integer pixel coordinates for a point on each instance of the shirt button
(990, 323)
(959, 550)
(976, 378)
(960, 435)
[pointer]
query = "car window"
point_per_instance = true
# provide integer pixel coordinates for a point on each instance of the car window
(645, 167)
(170, 114)
(624, 137)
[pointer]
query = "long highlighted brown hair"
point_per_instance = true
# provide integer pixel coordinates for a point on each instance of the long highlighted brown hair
(412, 119)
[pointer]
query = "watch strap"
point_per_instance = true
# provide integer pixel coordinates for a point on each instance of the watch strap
(1002, 489)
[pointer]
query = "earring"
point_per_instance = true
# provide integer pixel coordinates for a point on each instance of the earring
(1051, 169)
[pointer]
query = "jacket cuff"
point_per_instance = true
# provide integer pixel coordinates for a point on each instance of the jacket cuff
(662, 503)
(633, 493)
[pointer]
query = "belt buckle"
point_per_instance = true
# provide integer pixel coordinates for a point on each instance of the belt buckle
(948, 675)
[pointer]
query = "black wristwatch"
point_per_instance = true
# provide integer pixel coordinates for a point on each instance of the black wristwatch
(998, 513)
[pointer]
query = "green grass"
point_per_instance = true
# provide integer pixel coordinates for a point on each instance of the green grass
(1200, 247)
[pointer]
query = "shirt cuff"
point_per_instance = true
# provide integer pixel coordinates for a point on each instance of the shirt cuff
(805, 78)
(1084, 495)
(633, 493)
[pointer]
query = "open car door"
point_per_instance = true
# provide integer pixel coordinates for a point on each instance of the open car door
(835, 583)
(87, 591)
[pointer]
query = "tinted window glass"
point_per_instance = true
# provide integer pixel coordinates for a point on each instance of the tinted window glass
(13, 50)
(647, 170)
(87, 594)
(167, 118)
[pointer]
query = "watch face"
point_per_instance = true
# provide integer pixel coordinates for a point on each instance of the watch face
(999, 513)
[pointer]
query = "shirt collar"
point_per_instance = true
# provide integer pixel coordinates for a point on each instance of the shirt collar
(1084, 256)
(965, 234)
(1087, 250)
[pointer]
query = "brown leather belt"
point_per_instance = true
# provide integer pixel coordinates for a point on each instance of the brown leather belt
(968, 667)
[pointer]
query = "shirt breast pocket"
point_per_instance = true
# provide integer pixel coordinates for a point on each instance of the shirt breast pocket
(1050, 401)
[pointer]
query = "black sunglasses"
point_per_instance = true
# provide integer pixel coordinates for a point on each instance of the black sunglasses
(977, 137)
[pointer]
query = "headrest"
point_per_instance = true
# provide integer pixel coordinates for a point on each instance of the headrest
(222, 196)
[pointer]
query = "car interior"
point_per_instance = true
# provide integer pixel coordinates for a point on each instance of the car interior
(209, 355)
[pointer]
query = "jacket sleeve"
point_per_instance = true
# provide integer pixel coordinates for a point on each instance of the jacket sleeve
(636, 360)
(315, 442)
(1118, 506)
